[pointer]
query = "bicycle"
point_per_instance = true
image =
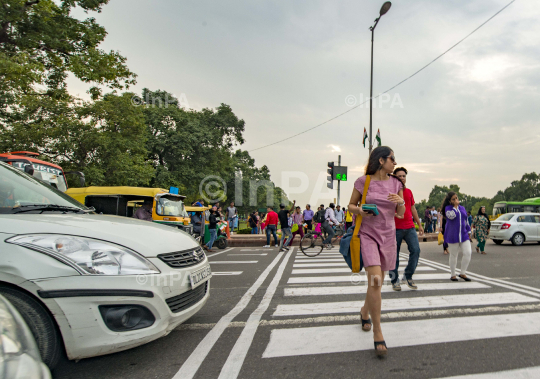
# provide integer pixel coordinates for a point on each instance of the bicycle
(312, 242)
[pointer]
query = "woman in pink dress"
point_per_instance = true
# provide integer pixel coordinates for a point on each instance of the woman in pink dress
(378, 233)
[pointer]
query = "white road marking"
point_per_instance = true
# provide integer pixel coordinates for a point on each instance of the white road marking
(345, 269)
(500, 283)
(356, 278)
(251, 249)
(236, 358)
(385, 317)
(355, 290)
(522, 373)
(227, 273)
(322, 260)
(342, 338)
(221, 252)
(426, 302)
(230, 262)
(197, 357)
(321, 264)
(248, 254)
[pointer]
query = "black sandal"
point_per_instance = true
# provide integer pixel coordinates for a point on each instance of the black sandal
(464, 278)
(380, 353)
(454, 279)
(365, 322)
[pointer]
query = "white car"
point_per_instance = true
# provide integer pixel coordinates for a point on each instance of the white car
(516, 227)
(91, 284)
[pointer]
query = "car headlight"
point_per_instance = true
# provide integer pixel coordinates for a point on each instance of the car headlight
(92, 256)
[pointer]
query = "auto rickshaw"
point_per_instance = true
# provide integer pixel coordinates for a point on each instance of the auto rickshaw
(222, 228)
(167, 205)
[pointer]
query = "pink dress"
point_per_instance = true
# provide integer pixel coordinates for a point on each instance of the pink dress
(378, 233)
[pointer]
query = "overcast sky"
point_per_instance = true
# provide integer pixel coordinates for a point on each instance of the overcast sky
(471, 118)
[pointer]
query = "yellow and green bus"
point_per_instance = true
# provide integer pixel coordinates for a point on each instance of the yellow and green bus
(529, 205)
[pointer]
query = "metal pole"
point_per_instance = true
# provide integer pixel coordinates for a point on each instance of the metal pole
(371, 89)
(339, 181)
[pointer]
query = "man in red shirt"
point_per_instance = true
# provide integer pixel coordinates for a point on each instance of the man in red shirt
(405, 230)
(271, 226)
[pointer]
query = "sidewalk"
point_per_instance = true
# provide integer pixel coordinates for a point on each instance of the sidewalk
(259, 240)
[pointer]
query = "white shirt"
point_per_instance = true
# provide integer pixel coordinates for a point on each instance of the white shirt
(330, 216)
(339, 215)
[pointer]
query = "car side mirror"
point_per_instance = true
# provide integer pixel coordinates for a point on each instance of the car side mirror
(29, 169)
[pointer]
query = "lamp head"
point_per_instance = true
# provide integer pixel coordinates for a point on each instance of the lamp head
(385, 8)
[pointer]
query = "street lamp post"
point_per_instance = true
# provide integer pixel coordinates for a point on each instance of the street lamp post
(385, 7)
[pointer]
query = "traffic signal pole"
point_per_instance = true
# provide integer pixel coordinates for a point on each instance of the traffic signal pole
(339, 181)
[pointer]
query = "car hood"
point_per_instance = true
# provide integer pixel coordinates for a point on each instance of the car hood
(147, 238)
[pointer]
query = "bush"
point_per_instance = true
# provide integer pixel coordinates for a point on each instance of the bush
(244, 231)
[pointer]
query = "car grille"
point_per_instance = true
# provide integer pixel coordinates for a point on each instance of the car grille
(187, 299)
(182, 259)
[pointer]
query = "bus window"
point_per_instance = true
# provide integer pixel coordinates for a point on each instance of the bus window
(515, 208)
(529, 208)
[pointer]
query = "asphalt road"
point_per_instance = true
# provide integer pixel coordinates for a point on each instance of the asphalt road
(284, 315)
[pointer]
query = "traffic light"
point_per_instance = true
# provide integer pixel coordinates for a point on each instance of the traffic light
(340, 173)
(330, 178)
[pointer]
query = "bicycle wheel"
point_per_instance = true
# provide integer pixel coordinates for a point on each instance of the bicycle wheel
(311, 245)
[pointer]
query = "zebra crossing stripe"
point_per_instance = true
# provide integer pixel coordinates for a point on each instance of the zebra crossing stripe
(355, 278)
(320, 264)
(321, 260)
(230, 262)
(227, 273)
(345, 269)
(343, 338)
(522, 373)
(356, 290)
(427, 302)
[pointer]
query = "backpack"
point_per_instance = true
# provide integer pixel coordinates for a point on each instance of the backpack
(319, 216)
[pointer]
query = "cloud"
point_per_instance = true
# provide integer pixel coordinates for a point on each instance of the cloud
(334, 149)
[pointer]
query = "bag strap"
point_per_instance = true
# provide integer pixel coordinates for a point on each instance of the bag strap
(355, 240)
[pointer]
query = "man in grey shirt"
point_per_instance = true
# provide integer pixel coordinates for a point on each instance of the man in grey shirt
(232, 212)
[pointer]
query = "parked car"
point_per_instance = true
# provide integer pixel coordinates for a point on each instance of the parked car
(19, 355)
(516, 227)
(91, 284)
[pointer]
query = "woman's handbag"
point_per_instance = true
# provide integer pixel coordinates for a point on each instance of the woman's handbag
(349, 245)
(440, 238)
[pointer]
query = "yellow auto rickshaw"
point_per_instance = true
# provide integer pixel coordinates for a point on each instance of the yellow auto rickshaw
(167, 207)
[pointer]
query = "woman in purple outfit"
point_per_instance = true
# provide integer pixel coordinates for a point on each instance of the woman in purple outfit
(378, 233)
(456, 235)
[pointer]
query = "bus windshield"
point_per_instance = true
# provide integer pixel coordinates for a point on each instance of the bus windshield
(170, 206)
(499, 209)
(48, 174)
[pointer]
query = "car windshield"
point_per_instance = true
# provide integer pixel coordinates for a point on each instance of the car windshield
(19, 191)
(506, 217)
(170, 206)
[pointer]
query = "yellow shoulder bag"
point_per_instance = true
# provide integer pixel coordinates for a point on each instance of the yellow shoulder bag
(355, 240)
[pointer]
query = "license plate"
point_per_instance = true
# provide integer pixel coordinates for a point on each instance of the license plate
(200, 276)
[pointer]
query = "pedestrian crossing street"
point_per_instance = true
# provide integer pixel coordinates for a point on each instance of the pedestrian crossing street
(482, 309)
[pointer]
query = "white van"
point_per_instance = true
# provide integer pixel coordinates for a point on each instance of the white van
(90, 284)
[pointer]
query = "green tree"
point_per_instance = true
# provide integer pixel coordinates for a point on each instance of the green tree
(41, 43)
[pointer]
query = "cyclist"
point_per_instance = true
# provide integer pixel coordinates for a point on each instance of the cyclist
(329, 221)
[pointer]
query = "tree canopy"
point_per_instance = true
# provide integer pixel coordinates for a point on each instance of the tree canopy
(525, 188)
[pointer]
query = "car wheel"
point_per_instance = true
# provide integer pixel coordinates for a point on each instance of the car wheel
(498, 242)
(40, 322)
(518, 239)
(222, 243)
